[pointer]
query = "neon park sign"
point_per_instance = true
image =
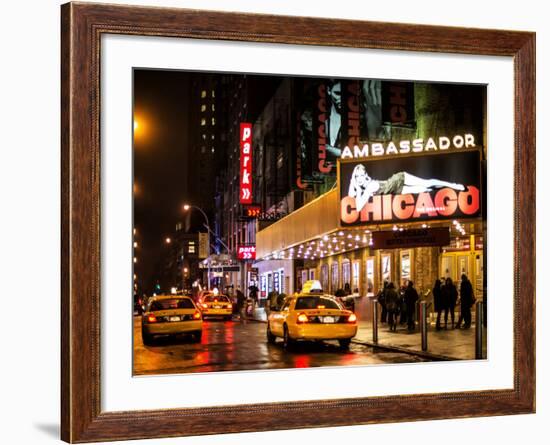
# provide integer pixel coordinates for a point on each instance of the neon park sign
(246, 252)
(245, 189)
(405, 147)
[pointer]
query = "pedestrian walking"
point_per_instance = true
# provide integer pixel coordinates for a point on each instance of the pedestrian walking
(450, 295)
(392, 305)
(467, 300)
(241, 304)
(411, 297)
(437, 292)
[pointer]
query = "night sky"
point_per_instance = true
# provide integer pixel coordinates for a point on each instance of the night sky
(162, 146)
(161, 107)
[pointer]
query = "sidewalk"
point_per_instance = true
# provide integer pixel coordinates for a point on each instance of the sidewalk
(450, 344)
(453, 344)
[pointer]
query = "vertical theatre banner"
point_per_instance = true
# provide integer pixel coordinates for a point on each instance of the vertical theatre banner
(245, 189)
(331, 114)
(410, 188)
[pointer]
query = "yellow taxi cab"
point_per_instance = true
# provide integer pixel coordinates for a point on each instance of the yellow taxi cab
(216, 305)
(170, 315)
(311, 315)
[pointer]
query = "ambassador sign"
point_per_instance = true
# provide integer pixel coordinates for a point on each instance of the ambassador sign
(409, 146)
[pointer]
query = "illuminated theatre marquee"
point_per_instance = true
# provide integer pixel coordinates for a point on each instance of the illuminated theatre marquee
(406, 147)
(400, 189)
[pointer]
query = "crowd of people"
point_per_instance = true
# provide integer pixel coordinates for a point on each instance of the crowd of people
(398, 305)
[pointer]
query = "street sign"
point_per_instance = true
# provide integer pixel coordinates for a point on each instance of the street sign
(251, 211)
(246, 252)
(397, 239)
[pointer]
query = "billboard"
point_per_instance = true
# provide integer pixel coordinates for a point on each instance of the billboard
(335, 113)
(410, 188)
(245, 189)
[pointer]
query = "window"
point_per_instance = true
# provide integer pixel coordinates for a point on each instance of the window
(346, 273)
(203, 93)
(370, 275)
(203, 108)
(191, 249)
(172, 303)
(204, 137)
(213, 298)
(314, 302)
(213, 107)
(355, 276)
(213, 93)
(203, 122)
(334, 278)
(324, 277)
(213, 121)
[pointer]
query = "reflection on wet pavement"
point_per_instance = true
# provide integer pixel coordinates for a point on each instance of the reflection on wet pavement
(233, 345)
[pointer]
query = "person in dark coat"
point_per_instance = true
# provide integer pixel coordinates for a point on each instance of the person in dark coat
(467, 300)
(241, 300)
(411, 297)
(438, 302)
(382, 301)
(392, 305)
(450, 295)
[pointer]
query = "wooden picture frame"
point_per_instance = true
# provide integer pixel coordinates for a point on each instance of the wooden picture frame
(82, 26)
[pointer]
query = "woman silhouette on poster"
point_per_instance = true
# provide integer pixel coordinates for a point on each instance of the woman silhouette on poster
(362, 186)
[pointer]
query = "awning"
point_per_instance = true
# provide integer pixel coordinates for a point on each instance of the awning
(315, 219)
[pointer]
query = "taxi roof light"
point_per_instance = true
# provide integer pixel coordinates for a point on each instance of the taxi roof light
(312, 286)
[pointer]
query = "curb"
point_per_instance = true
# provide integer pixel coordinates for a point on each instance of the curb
(427, 355)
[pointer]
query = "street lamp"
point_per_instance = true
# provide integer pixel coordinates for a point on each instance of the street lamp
(187, 207)
(168, 240)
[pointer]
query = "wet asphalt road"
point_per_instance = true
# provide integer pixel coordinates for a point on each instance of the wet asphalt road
(235, 345)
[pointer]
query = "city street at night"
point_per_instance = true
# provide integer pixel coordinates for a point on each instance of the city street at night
(233, 345)
(296, 208)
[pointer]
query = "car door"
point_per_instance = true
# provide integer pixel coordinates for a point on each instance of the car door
(277, 319)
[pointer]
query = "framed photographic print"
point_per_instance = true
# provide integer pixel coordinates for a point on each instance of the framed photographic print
(226, 176)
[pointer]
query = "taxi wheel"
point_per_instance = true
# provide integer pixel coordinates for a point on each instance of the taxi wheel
(344, 343)
(270, 337)
(288, 342)
(147, 339)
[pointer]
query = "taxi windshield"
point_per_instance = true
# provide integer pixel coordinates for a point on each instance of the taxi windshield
(212, 299)
(172, 303)
(316, 302)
